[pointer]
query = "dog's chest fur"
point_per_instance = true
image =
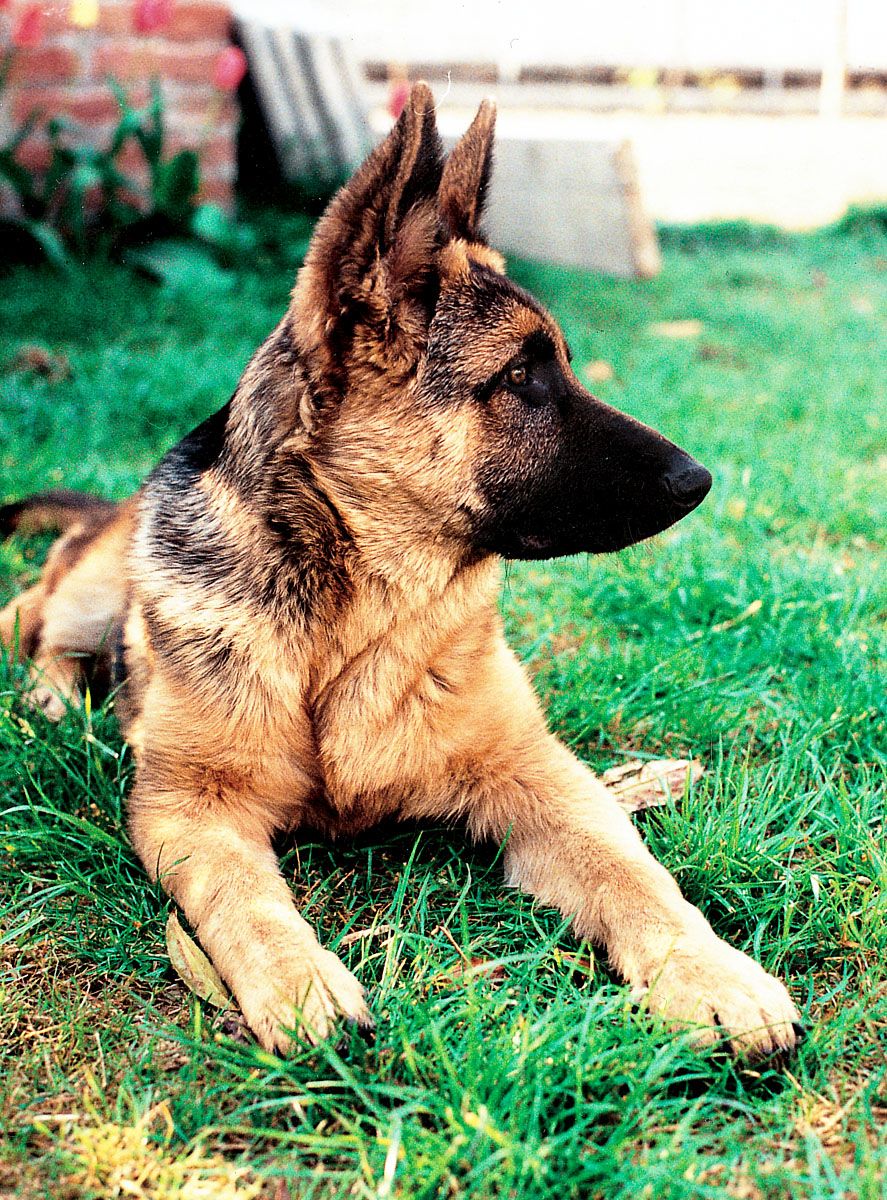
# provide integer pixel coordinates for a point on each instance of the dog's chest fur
(349, 707)
(391, 686)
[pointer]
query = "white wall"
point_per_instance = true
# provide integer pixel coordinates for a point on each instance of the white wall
(682, 33)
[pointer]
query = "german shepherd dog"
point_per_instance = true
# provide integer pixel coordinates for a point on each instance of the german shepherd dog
(301, 606)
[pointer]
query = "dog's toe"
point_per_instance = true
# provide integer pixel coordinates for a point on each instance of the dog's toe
(304, 1001)
(724, 994)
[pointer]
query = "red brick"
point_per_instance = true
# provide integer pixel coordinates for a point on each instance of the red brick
(51, 63)
(222, 154)
(135, 60)
(191, 22)
(218, 151)
(116, 18)
(55, 16)
(199, 22)
(131, 160)
(90, 105)
(33, 154)
(217, 191)
(219, 174)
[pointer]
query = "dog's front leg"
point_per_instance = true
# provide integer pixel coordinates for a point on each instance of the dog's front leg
(570, 844)
(221, 870)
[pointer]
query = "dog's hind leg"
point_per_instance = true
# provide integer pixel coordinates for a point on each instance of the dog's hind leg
(215, 859)
(54, 675)
(78, 618)
(20, 622)
(56, 683)
(64, 620)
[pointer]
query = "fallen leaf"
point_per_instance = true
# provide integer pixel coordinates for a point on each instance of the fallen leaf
(753, 608)
(639, 785)
(598, 371)
(471, 967)
(192, 966)
(359, 934)
(575, 963)
(676, 329)
(39, 361)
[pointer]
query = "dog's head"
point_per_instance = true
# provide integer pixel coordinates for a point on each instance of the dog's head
(440, 390)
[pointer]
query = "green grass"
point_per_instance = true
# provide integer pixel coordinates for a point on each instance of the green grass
(748, 636)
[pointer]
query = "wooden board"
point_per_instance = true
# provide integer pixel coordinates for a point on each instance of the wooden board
(312, 97)
(574, 202)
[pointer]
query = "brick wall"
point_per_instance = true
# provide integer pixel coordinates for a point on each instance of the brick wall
(66, 75)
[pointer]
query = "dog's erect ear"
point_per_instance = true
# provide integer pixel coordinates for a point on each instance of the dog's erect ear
(373, 251)
(466, 176)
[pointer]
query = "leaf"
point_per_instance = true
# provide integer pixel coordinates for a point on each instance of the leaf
(127, 127)
(731, 622)
(181, 266)
(50, 243)
(192, 966)
(232, 243)
(639, 785)
(471, 967)
(18, 177)
(676, 329)
(24, 131)
(212, 224)
(175, 184)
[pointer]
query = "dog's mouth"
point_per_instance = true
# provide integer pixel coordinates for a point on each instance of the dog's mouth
(595, 483)
(565, 533)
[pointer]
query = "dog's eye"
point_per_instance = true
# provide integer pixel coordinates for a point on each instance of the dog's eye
(518, 376)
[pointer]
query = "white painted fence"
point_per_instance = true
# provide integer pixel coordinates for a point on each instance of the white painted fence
(769, 35)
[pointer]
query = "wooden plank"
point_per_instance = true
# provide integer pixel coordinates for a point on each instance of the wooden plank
(573, 202)
(310, 92)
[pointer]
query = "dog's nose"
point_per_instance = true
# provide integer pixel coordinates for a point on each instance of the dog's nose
(687, 482)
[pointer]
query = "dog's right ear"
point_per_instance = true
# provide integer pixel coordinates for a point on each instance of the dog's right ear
(372, 256)
(466, 176)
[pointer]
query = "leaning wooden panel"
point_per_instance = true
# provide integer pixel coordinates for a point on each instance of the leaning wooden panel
(593, 187)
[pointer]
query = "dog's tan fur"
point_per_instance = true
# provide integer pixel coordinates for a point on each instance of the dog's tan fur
(347, 663)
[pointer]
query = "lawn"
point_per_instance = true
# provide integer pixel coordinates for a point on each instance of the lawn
(507, 1062)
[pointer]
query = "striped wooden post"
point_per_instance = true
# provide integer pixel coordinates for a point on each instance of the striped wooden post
(310, 92)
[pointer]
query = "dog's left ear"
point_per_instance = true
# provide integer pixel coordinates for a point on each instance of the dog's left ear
(466, 176)
(369, 275)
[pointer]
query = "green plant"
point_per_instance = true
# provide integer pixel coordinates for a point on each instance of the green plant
(85, 202)
(174, 181)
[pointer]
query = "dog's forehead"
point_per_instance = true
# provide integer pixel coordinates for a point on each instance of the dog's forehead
(502, 317)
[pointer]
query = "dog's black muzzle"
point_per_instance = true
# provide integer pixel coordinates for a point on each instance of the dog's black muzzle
(606, 482)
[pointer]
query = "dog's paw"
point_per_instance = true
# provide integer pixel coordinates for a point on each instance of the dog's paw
(304, 1001)
(720, 991)
(44, 699)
